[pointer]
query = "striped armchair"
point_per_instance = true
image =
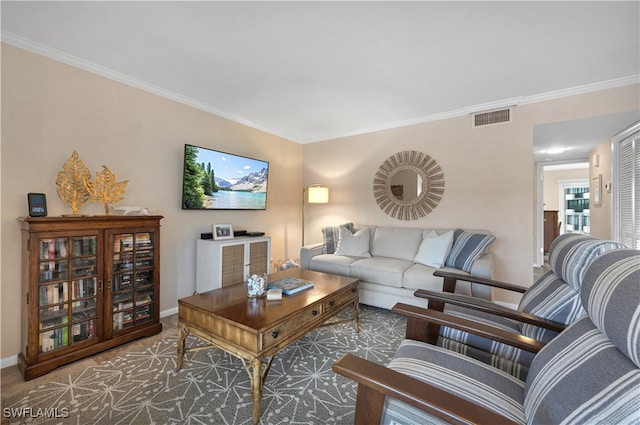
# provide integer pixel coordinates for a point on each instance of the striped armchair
(546, 308)
(589, 373)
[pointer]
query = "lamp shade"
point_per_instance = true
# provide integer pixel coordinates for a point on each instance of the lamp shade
(318, 195)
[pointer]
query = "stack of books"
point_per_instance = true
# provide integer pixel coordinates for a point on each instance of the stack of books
(290, 285)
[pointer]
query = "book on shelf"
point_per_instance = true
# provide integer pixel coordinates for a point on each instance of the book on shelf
(142, 300)
(143, 313)
(290, 285)
(143, 240)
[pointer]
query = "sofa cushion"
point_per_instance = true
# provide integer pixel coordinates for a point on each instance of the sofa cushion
(396, 242)
(383, 270)
(419, 276)
(353, 244)
(472, 380)
(331, 236)
(510, 359)
(598, 382)
(571, 254)
(467, 247)
(552, 299)
(331, 263)
(615, 312)
(434, 249)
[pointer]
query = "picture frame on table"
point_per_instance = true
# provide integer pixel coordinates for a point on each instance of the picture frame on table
(222, 231)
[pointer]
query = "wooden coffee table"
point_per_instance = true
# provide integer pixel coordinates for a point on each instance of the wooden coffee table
(255, 329)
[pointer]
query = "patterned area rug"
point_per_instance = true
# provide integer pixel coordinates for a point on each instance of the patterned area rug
(142, 386)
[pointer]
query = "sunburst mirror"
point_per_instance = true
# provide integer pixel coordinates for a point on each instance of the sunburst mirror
(408, 185)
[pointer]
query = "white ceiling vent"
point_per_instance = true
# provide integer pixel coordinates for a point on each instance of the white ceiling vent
(499, 116)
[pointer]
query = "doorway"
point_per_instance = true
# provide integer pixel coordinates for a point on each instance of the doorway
(563, 192)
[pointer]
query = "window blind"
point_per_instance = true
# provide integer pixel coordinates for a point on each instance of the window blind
(627, 181)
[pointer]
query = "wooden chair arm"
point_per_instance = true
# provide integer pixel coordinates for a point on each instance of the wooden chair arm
(376, 381)
(450, 279)
(439, 298)
(418, 318)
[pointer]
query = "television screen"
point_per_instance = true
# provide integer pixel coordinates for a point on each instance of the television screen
(215, 180)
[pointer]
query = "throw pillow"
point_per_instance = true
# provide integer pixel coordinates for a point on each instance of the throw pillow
(467, 248)
(353, 244)
(434, 249)
(330, 235)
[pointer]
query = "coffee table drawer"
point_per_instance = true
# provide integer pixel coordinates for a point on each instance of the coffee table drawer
(298, 322)
(340, 299)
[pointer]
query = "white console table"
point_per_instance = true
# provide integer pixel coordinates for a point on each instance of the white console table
(225, 262)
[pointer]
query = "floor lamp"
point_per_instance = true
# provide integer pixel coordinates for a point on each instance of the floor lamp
(314, 194)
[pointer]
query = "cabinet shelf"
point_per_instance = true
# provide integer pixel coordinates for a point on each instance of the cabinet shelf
(82, 268)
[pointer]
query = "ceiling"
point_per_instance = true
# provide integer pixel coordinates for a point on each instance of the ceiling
(312, 71)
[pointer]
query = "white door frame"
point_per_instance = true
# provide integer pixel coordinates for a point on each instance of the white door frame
(538, 260)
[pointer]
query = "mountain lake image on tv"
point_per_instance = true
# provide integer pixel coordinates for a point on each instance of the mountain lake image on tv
(215, 180)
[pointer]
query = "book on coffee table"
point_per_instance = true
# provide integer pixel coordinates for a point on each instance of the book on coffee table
(290, 285)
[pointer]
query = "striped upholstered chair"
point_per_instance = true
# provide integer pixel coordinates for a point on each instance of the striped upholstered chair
(588, 374)
(547, 307)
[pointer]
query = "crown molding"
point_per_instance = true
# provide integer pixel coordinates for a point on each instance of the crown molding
(94, 68)
(42, 50)
(486, 107)
(587, 88)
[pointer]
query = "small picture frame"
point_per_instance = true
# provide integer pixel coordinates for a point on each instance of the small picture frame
(222, 231)
(37, 204)
(596, 190)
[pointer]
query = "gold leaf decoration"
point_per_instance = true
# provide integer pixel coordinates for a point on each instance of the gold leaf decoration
(105, 189)
(70, 181)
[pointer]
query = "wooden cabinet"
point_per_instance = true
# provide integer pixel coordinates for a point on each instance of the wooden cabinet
(551, 228)
(89, 284)
(225, 262)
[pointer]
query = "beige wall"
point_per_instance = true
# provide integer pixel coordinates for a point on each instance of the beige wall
(551, 197)
(601, 214)
(489, 175)
(49, 109)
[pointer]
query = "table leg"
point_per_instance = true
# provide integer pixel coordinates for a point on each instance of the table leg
(182, 336)
(356, 315)
(256, 388)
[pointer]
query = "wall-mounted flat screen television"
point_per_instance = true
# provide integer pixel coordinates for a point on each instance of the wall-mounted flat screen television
(215, 180)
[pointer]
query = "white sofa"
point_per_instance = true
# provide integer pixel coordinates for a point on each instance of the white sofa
(391, 262)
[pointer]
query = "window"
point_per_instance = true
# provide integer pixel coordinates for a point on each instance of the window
(574, 206)
(626, 190)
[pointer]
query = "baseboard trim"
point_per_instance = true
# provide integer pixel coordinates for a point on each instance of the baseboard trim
(9, 361)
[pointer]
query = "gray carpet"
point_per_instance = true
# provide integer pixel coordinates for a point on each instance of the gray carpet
(142, 387)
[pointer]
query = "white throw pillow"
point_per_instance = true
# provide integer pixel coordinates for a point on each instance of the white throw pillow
(353, 244)
(434, 249)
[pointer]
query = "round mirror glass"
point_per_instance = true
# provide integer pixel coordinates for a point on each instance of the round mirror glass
(408, 185)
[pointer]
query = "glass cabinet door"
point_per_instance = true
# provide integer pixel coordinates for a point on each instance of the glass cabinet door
(68, 295)
(132, 279)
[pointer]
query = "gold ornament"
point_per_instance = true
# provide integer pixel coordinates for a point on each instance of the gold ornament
(105, 189)
(70, 181)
